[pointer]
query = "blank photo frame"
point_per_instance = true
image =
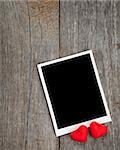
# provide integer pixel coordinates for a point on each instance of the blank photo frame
(73, 92)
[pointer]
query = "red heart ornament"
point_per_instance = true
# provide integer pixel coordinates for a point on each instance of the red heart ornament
(97, 130)
(80, 135)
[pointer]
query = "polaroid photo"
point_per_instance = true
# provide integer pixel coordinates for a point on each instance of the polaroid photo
(73, 92)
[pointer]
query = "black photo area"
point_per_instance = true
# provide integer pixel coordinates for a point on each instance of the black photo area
(73, 91)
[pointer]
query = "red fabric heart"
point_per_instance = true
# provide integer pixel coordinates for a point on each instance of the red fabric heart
(80, 135)
(97, 130)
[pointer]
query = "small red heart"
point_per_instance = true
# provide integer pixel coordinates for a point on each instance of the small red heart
(97, 130)
(80, 135)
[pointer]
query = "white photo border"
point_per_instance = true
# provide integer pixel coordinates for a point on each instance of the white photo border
(68, 129)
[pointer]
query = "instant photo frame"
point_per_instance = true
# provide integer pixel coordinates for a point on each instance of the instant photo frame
(61, 101)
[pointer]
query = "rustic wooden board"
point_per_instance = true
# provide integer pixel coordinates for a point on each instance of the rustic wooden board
(44, 34)
(115, 77)
(14, 75)
(95, 25)
(34, 31)
(29, 35)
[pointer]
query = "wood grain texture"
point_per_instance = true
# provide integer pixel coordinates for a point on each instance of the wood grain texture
(44, 31)
(32, 32)
(115, 77)
(95, 25)
(14, 75)
(29, 35)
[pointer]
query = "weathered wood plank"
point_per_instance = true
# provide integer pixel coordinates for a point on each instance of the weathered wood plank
(115, 77)
(14, 75)
(94, 25)
(44, 29)
(29, 34)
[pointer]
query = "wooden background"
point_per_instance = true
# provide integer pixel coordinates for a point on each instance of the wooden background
(36, 31)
